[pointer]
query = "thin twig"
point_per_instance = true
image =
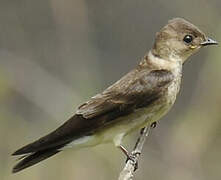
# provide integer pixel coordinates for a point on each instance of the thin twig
(130, 166)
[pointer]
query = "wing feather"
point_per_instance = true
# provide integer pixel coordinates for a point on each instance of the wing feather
(103, 109)
(143, 87)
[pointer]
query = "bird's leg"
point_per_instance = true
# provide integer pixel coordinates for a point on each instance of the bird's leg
(130, 156)
(141, 131)
(154, 124)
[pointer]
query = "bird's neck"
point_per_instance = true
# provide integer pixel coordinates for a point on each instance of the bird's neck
(156, 62)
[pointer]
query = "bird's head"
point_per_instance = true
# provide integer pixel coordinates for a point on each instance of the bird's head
(179, 39)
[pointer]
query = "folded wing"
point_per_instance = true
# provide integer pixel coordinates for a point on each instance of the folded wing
(135, 90)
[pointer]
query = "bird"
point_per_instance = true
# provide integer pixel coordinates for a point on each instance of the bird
(141, 97)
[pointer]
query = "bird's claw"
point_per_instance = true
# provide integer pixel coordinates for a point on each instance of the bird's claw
(154, 124)
(133, 157)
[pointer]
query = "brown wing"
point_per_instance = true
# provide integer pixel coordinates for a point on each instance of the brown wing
(135, 90)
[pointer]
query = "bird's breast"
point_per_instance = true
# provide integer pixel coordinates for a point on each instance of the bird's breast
(138, 119)
(174, 87)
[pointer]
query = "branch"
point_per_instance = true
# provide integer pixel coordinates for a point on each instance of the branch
(130, 167)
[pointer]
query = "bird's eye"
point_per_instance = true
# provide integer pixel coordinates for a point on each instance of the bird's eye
(188, 39)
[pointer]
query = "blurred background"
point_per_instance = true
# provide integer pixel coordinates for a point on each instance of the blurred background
(56, 54)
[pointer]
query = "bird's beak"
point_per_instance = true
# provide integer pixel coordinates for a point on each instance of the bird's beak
(209, 41)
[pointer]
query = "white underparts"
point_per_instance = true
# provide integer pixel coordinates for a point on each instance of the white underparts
(171, 64)
(141, 117)
(81, 142)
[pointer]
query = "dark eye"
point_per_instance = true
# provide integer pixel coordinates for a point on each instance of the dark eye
(188, 39)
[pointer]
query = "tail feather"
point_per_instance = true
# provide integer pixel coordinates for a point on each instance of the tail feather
(52, 143)
(34, 158)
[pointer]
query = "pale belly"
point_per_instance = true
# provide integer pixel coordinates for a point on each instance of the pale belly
(115, 133)
(135, 121)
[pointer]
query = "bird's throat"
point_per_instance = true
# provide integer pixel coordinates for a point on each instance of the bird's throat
(161, 63)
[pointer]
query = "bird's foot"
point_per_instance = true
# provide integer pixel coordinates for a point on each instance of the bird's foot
(142, 131)
(133, 157)
(153, 125)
